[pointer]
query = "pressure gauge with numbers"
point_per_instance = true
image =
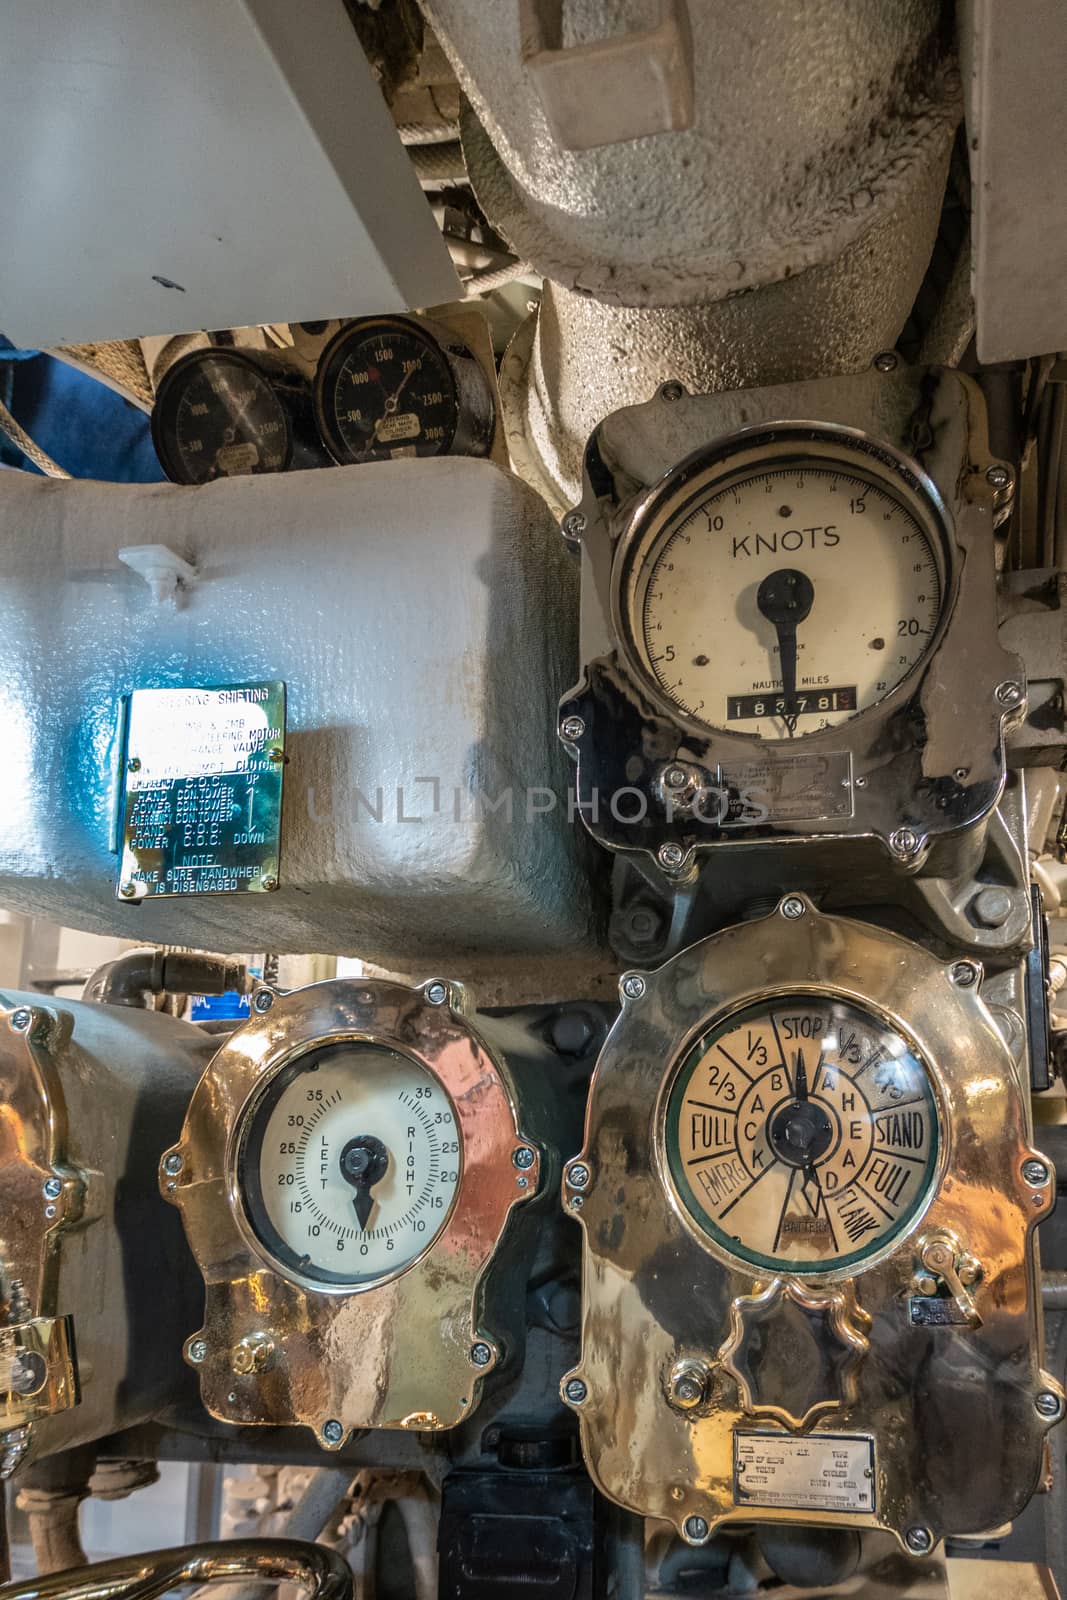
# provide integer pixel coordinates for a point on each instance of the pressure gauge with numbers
(350, 1163)
(389, 387)
(347, 1174)
(802, 1134)
(786, 590)
(227, 413)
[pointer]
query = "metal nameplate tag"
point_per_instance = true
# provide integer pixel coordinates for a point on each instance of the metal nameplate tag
(202, 791)
(823, 1472)
(791, 788)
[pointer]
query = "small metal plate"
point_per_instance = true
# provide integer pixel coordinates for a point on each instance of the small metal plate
(794, 787)
(933, 1311)
(202, 798)
(824, 1472)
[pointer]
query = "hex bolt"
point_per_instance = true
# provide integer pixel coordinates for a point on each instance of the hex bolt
(574, 524)
(633, 986)
(885, 361)
(22, 1019)
(262, 1001)
(673, 390)
(1035, 1172)
(670, 856)
(919, 1540)
(173, 1163)
(480, 1354)
(575, 1391)
(642, 925)
(992, 907)
(792, 907)
(196, 1351)
(254, 1353)
(578, 1175)
(998, 477)
(571, 1033)
(1047, 1404)
(964, 974)
(904, 842)
(332, 1431)
(523, 1157)
(52, 1188)
(1008, 693)
(696, 1529)
(437, 992)
(571, 729)
(689, 1384)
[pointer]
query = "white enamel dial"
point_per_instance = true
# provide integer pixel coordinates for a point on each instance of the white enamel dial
(350, 1163)
(785, 599)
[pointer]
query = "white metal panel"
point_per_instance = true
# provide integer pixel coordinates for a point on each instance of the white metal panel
(170, 165)
(1015, 62)
(426, 814)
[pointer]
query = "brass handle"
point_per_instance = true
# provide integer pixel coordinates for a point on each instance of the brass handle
(323, 1574)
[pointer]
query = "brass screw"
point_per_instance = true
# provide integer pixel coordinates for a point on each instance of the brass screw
(969, 1270)
(254, 1353)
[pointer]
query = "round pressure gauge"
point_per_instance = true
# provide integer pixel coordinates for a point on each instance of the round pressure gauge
(349, 1163)
(802, 1134)
(221, 414)
(395, 386)
(784, 587)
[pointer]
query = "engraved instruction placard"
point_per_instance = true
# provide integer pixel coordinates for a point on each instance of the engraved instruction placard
(202, 795)
(822, 1472)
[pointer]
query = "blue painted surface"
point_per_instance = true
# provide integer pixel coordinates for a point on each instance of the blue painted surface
(82, 424)
(219, 1007)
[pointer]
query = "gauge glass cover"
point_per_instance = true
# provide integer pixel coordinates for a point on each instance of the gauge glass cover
(385, 389)
(349, 1163)
(784, 598)
(217, 416)
(802, 1134)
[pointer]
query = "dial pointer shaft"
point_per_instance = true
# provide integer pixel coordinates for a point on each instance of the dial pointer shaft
(785, 598)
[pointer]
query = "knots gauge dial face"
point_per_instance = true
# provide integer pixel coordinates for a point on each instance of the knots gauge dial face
(802, 1134)
(779, 600)
(349, 1164)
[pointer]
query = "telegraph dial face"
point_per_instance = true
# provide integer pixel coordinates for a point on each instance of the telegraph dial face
(802, 1134)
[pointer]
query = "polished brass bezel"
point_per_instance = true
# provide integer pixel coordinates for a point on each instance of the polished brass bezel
(765, 995)
(645, 1265)
(272, 1067)
(392, 1353)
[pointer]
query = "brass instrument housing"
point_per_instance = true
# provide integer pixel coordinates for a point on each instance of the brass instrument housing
(952, 1411)
(407, 1351)
(86, 1091)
